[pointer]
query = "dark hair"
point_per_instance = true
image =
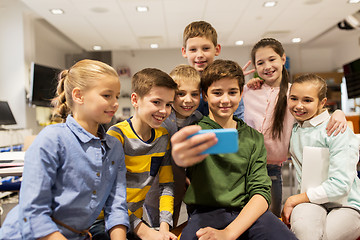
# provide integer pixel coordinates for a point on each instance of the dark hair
(144, 80)
(281, 104)
(82, 75)
(316, 80)
(220, 69)
(200, 29)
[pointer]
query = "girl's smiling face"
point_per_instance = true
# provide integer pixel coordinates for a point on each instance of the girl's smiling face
(269, 65)
(303, 101)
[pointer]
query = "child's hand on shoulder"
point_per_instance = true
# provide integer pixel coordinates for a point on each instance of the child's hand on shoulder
(213, 234)
(254, 83)
(337, 123)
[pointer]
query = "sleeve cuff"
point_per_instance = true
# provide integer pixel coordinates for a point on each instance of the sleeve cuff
(317, 195)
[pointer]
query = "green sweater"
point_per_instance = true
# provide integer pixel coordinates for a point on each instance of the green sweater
(230, 180)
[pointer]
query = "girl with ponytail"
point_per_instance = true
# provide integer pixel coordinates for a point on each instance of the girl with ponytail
(73, 169)
(266, 110)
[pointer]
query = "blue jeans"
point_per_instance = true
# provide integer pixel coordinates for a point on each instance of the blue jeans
(274, 172)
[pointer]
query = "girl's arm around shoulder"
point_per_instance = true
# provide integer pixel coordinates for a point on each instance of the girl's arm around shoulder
(337, 123)
(256, 206)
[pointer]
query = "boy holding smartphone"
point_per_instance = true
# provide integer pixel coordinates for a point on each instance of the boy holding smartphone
(229, 194)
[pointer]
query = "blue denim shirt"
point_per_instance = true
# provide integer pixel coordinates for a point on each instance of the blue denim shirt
(71, 175)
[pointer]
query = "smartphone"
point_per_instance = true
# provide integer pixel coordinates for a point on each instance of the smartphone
(227, 141)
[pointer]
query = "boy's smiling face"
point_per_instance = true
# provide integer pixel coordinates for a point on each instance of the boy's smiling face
(187, 98)
(223, 97)
(200, 52)
(152, 109)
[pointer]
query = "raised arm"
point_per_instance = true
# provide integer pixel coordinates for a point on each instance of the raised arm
(245, 67)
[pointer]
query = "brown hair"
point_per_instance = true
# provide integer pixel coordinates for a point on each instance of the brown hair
(185, 73)
(316, 80)
(281, 104)
(200, 29)
(144, 80)
(220, 69)
(82, 75)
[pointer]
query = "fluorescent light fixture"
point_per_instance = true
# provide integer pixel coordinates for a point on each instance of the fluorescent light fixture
(142, 8)
(154, 45)
(270, 4)
(296, 40)
(57, 11)
(239, 43)
(353, 1)
(97, 48)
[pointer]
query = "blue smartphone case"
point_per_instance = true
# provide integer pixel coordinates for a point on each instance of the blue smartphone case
(227, 141)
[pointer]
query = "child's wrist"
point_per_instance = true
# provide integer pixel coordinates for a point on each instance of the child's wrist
(164, 227)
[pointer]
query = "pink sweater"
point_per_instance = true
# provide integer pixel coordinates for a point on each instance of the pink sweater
(259, 108)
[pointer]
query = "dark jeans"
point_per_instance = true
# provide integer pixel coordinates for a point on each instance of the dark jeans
(267, 226)
(274, 172)
(98, 230)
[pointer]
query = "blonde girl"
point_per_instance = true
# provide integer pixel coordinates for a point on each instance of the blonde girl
(73, 169)
(332, 209)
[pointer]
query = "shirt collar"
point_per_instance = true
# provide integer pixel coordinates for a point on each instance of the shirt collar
(315, 121)
(83, 135)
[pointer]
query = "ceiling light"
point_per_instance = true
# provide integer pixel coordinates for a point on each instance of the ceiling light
(154, 45)
(239, 43)
(270, 4)
(57, 11)
(142, 8)
(97, 48)
(296, 40)
(353, 1)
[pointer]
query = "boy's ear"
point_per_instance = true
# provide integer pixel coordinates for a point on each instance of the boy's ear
(134, 99)
(77, 96)
(183, 52)
(204, 96)
(217, 50)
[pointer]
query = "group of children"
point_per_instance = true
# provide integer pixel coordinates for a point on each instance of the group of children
(74, 170)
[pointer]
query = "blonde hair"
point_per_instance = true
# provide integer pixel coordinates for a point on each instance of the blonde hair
(185, 73)
(200, 29)
(82, 75)
(143, 81)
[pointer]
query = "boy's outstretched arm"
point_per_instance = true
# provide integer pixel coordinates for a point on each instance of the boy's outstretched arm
(337, 122)
(256, 207)
(187, 152)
